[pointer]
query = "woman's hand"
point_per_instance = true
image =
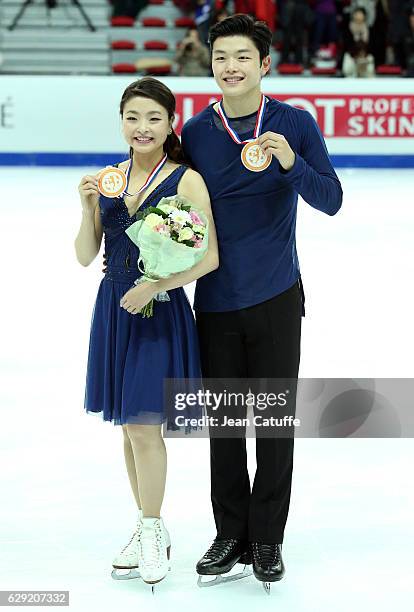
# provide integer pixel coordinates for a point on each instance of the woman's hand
(136, 298)
(89, 193)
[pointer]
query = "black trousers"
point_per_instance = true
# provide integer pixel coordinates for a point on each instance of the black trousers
(260, 341)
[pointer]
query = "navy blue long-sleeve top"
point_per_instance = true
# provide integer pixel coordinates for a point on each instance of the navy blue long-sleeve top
(255, 212)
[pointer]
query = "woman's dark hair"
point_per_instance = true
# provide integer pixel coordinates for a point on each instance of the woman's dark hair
(243, 25)
(151, 88)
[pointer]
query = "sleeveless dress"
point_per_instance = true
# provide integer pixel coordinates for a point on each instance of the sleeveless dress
(129, 356)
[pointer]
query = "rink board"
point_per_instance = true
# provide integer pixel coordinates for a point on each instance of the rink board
(74, 121)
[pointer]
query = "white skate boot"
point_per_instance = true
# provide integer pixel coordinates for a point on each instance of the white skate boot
(127, 559)
(153, 551)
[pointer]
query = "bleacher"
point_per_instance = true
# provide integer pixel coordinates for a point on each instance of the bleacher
(58, 40)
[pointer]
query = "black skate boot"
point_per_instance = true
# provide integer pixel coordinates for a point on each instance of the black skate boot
(267, 563)
(221, 557)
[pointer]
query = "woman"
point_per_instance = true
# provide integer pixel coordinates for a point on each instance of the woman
(129, 356)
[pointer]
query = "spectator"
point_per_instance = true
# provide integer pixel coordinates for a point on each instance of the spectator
(357, 29)
(367, 5)
(265, 10)
(358, 62)
(379, 31)
(202, 18)
(192, 56)
(398, 27)
(409, 45)
(245, 6)
(219, 15)
(186, 6)
(325, 28)
(294, 17)
(128, 8)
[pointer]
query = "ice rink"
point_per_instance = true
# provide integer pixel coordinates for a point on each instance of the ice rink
(67, 508)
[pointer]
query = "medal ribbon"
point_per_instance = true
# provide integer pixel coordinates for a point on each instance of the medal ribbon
(150, 178)
(258, 126)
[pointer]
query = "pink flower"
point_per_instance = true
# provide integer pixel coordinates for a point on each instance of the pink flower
(163, 229)
(195, 218)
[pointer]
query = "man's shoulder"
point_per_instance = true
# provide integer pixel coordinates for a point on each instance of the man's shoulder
(277, 106)
(196, 120)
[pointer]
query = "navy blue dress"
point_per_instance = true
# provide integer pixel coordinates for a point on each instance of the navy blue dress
(129, 356)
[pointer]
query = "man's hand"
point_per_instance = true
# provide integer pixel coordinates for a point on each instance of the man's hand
(136, 298)
(277, 145)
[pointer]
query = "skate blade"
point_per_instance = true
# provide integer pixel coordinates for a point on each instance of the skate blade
(154, 583)
(266, 586)
(125, 573)
(221, 578)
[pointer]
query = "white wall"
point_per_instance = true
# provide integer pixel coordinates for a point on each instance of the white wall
(80, 114)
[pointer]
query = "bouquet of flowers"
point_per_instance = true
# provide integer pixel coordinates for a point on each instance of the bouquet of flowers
(172, 237)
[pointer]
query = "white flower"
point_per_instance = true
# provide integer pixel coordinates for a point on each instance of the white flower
(153, 219)
(180, 216)
(185, 234)
(200, 229)
(166, 207)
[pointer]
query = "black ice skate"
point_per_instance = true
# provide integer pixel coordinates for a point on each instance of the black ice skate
(220, 558)
(268, 564)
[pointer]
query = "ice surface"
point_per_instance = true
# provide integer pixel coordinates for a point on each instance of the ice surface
(66, 505)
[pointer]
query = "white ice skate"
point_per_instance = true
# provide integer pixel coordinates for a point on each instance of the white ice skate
(127, 559)
(153, 551)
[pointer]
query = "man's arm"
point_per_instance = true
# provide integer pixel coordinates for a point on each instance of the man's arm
(186, 147)
(312, 174)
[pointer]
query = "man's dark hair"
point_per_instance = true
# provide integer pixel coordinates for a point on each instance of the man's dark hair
(243, 25)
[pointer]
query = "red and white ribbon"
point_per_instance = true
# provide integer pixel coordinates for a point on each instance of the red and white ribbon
(150, 178)
(258, 126)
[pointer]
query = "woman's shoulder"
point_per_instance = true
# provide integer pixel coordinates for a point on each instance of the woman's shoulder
(123, 165)
(192, 186)
(190, 176)
(172, 166)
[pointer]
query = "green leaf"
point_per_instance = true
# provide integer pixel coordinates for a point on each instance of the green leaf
(158, 211)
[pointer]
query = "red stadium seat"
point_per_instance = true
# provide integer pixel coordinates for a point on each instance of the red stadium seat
(123, 68)
(386, 70)
(160, 45)
(184, 22)
(122, 22)
(323, 71)
(160, 70)
(290, 69)
(123, 44)
(156, 2)
(153, 22)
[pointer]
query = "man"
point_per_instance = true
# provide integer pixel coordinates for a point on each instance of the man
(248, 311)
